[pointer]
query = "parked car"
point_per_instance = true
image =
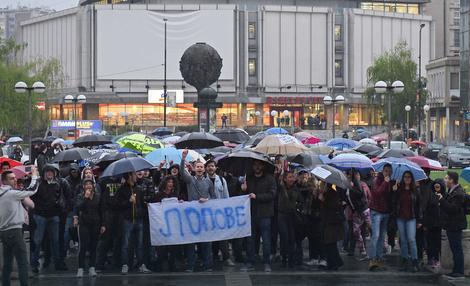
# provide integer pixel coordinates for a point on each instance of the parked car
(454, 156)
(399, 145)
(432, 150)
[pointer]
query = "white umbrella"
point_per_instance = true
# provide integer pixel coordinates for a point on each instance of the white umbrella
(280, 144)
(13, 140)
(58, 141)
(194, 154)
(368, 141)
(170, 140)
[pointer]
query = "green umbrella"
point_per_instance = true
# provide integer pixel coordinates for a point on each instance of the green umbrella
(140, 143)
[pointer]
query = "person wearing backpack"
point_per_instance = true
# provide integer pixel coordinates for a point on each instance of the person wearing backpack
(454, 221)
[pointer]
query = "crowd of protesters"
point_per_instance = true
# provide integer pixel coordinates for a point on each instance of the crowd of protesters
(108, 218)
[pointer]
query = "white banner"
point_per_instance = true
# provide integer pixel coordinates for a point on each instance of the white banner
(173, 223)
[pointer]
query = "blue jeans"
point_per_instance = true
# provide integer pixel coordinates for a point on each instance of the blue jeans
(379, 228)
(205, 248)
(263, 227)
(455, 243)
(128, 227)
(407, 231)
(51, 224)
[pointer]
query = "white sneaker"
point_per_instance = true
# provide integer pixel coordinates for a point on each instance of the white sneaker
(323, 263)
(229, 263)
(125, 269)
(144, 269)
(313, 262)
(80, 273)
(92, 272)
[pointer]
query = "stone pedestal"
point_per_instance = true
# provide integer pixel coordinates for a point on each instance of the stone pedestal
(446, 255)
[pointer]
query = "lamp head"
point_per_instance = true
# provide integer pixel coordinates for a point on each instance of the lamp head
(20, 87)
(68, 98)
(407, 108)
(273, 113)
(398, 86)
(39, 87)
(81, 98)
(339, 99)
(327, 100)
(380, 86)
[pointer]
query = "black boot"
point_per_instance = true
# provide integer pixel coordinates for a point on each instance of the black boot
(404, 264)
(414, 266)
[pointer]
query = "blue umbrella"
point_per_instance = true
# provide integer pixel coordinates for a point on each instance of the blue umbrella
(167, 154)
(466, 174)
(341, 143)
(400, 166)
(347, 161)
(126, 165)
(276, 130)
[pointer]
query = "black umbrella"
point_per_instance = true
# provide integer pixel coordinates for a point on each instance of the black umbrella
(241, 163)
(181, 133)
(308, 160)
(214, 151)
(233, 135)
(331, 175)
(396, 153)
(74, 154)
(198, 140)
(126, 165)
(162, 131)
(91, 140)
(367, 148)
(49, 139)
(37, 140)
(113, 157)
(255, 139)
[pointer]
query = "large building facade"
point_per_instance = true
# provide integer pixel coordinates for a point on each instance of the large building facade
(445, 118)
(275, 57)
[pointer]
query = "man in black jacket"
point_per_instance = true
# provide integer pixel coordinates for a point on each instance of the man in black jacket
(261, 188)
(424, 190)
(454, 221)
(111, 239)
(50, 201)
(130, 201)
(73, 179)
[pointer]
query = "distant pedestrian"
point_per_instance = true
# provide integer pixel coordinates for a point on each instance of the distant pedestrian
(12, 217)
(224, 120)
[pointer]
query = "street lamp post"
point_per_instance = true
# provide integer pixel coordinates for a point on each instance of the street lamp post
(125, 117)
(407, 109)
(109, 116)
(328, 100)
(421, 26)
(426, 123)
(165, 97)
(258, 117)
(382, 87)
(37, 87)
(78, 99)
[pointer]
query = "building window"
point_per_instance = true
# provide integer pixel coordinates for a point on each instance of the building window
(338, 33)
(456, 38)
(391, 7)
(252, 30)
(454, 80)
(252, 67)
(338, 68)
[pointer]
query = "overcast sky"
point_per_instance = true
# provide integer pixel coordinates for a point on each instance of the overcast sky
(54, 4)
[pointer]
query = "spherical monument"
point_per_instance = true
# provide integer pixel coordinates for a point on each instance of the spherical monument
(200, 65)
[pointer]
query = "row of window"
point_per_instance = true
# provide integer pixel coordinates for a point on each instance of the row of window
(391, 7)
(252, 71)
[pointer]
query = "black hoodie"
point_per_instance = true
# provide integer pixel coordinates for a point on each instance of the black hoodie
(51, 197)
(432, 214)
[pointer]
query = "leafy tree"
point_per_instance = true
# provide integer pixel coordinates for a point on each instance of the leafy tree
(14, 106)
(395, 64)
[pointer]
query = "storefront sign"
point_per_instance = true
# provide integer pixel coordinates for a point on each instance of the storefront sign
(93, 125)
(174, 96)
(293, 100)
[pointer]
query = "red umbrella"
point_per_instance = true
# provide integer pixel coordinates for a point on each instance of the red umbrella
(310, 140)
(20, 171)
(426, 163)
(12, 162)
(419, 143)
